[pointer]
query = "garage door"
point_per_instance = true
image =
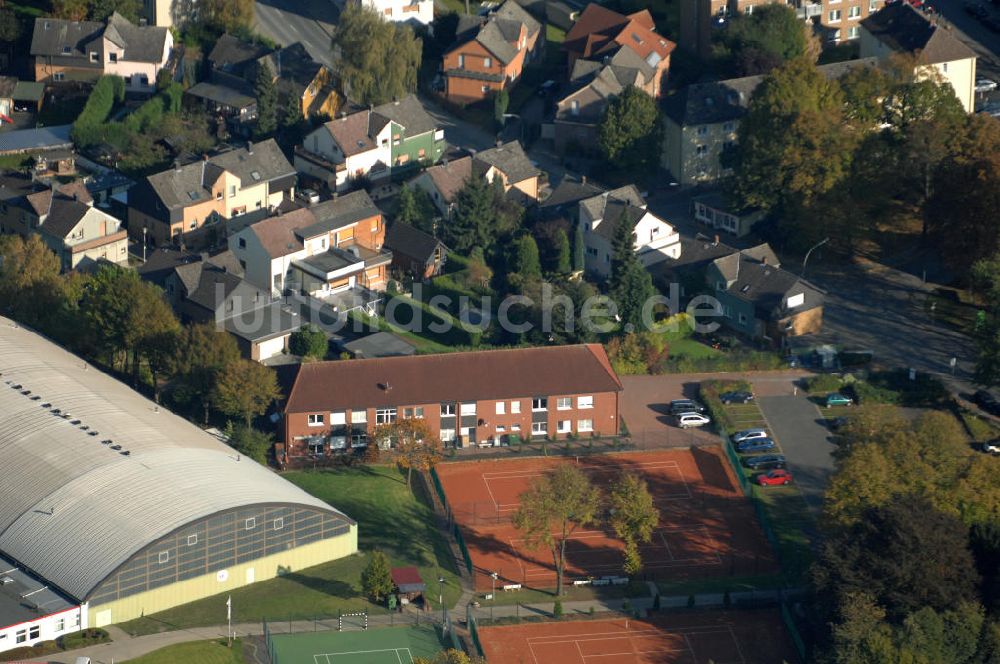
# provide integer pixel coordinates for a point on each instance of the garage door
(270, 348)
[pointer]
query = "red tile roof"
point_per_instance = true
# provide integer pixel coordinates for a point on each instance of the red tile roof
(599, 30)
(467, 376)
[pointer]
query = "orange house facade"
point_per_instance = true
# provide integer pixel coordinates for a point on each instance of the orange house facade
(471, 398)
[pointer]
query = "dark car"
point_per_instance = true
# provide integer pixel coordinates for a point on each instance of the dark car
(764, 461)
(758, 445)
(987, 402)
(678, 406)
(736, 397)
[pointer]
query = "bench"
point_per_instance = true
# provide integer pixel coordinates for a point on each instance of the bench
(511, 586)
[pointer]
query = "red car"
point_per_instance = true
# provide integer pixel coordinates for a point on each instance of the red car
(776, 476)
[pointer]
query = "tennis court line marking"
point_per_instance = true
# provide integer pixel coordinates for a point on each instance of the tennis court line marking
(396, 651)
(622, 634)
(631, 635)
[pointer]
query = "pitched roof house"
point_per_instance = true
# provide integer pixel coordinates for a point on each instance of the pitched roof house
(372, 143)
(761, 300)
(900, 29)
(468, 397)
(175, 203)
(416, 12)
(84, 50)
(601, 32)
(415, 252)
(65, 218)
(600, 216)
(332, 251)
(300, 79)
(490, 53)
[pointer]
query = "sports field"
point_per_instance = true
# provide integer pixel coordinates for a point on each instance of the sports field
(707, 527)
(387, 645)
(697, 637)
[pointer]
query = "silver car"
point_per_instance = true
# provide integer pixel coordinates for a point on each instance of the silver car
(749, 434)
(687, 420)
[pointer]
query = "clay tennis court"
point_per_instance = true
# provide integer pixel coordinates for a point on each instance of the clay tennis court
(707, 527)
(698, 637)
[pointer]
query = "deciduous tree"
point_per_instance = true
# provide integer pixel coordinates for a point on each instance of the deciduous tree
(554, 507)
(228, 15)
(30, 287)
(245, 389)
(100, 10)
(752, 44)
(71, 10)
(413, 443)
(309, 341)
(202, 353)
(629, 133)
(376, 578)
(378, 59)
(10, 26)
(249, 441)
(634, 516)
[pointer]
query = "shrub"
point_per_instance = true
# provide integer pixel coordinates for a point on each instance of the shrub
(372, 454)
(308, 341)
(824, 383)
(866, 393)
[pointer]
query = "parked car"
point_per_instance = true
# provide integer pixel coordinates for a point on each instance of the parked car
(748, 434)
(992, 447)
(736, 397)
(688, 420)
(678, 406)
(837, 399)
(987, 402)
(755, 445)
(308, 196)
(773, 477)
(985, 85)
(764, 461)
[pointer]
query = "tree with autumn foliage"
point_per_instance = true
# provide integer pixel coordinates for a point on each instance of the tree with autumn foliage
(414, 445)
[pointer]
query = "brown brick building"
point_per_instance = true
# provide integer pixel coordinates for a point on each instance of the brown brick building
(470, 397)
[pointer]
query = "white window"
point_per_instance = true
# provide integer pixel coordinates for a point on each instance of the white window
(338, 417)
(701, 150)
(501, 428)
(539, 427)
(250, 523)
(539, 403)
(447, 409)
(192, 540)
(447, 435)
(60, 624)
(872, 5)
(748, 10)
(232, 190)
(834, 16)
(796, 300)
(585, 402)
(58, 76)
(93, 56)
(279, 523)
(564, 403)
(574, 107)
(469, 408)
(515, 427)
(836, 36)
(501, 407)
(416, 412)
(515, 407)
(113, 57)
(385, 415)
(461, 61)
(564, 426)
(854, 12)
(316, 420)
(359, 416)
(945, 67)
(585, 425)
(487, 63)
(22, 636)
(703, 130)
(486, 88)
(163, 557)
(854, 32)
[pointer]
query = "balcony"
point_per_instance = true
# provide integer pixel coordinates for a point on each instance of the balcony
(808, 10)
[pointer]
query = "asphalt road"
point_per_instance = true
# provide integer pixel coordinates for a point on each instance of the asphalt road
(290, 21)
(797, 425)
(874, 307)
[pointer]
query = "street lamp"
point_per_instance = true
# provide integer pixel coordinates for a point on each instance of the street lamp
(444, 612)
(806, 259)
(144, 244)
(493, 593)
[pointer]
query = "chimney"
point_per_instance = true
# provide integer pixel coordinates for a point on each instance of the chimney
(715, 243)
(763, 261)
(499, 144)
(204, 157)
(249, 147)
(583, 179)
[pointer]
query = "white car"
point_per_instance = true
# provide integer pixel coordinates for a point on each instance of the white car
(749, 434)
(992, 447)
(688, 420)
(984, 85)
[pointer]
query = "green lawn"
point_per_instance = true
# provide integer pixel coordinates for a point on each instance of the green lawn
(691, 349)
(15, 162)
(199, 652)
(960, 314)
(422, 344)
(979, 429)
(390, 517)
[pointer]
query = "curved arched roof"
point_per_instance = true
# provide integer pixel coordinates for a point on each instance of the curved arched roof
(72, 508)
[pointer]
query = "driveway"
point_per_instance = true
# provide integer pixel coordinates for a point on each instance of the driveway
(797, 425)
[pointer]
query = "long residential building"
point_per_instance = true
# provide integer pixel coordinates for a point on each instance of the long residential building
(466, 398)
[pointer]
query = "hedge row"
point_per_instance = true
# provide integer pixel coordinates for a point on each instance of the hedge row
(151, 113)
(109, 90)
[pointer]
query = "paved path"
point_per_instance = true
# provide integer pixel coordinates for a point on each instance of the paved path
(798, 427)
